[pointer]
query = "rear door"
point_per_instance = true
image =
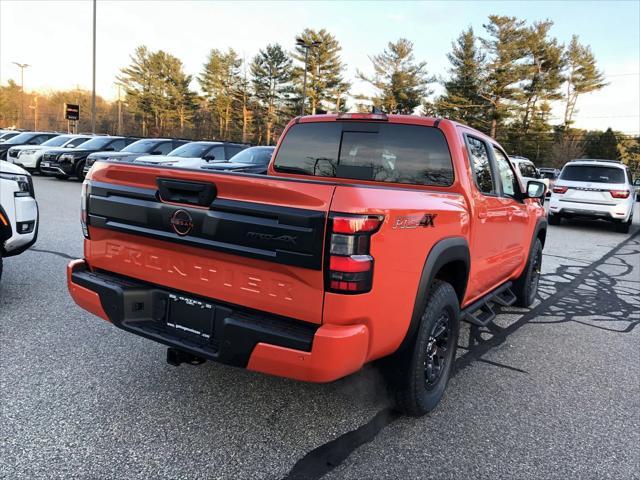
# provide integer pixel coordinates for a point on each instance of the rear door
(251, 241)
(491, 222)
(513, 237)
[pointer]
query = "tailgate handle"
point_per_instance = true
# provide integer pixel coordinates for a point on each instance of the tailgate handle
(191, 193)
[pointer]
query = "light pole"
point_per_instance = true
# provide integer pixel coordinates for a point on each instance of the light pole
(21, 66)
(93, 90)
(119, 110)
(301, 43)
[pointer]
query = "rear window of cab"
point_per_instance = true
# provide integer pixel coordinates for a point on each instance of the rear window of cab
(381, 152)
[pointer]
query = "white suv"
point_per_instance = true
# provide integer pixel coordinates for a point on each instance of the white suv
(18, 211)
(528, 171)
(599, 189)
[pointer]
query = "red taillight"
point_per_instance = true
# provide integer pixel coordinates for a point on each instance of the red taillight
(560, 189)
(350, 268)
(351, 264)
(619, 193)
(356, 224)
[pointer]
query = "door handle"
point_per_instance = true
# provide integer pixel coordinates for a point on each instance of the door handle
(482, 214)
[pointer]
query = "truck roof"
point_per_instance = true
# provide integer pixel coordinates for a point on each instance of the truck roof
(390, 118)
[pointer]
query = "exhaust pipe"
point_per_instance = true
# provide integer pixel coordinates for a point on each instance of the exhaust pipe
(176, 357)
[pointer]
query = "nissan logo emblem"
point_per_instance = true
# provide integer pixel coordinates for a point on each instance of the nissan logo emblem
(181, 222)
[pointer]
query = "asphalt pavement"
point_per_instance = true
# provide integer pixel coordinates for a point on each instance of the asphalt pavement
(547, 392)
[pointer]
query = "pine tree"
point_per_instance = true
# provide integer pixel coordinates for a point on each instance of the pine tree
(326, 86)
(271, 72)
(506, 50)
(603, 145)
(462, 100)
(157, 90)
(542, 72)
(402, 83)
(582, 75)
(219, 80)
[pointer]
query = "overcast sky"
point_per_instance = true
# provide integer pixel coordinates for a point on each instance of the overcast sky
(54, 37)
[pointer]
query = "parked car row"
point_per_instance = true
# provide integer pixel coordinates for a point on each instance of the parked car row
(65, 155)
(23, 138)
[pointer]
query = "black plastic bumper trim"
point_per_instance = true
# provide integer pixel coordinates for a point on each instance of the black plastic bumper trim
(142, 308)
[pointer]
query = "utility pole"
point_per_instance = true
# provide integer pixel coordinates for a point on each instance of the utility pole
(93, 90)
(21, 66)
(119, 111)
(35, 113)
(301, 43)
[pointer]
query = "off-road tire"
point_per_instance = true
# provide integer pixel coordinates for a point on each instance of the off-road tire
(554, 219)
(406, 371)
(525, 287)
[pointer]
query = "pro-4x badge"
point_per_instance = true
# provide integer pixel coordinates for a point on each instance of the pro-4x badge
(415, 221)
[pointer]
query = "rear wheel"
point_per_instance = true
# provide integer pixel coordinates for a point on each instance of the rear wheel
(624, 227)
(525, 287)
(554, 219)
(419, 374)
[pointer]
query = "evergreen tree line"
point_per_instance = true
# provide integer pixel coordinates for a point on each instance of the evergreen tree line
(502, 82)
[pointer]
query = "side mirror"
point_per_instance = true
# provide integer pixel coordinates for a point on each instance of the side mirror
(636, 182)
(535, 189)
(209, 157)
(156, 152)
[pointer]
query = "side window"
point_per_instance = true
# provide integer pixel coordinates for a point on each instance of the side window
(479, 156)
(507, 176)
(75, 142)
(117, 145)
(217, 152)
(526, 170)
(164, 148)
(232, 150)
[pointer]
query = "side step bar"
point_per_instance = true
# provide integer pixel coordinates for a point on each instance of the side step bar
(481, 313)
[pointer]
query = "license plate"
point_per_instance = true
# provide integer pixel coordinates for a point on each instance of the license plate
(46, 164)
(190, 317)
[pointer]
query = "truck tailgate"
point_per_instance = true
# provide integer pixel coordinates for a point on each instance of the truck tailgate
(256, 241)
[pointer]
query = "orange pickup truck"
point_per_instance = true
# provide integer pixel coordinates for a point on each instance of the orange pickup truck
(371, 237)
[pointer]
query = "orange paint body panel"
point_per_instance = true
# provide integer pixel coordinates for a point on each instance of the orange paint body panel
(280, 289)
(387, 308)
(337, 351)
(84, 297)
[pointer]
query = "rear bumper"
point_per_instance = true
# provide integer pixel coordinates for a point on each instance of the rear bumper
(241, 337)
(619, 211)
